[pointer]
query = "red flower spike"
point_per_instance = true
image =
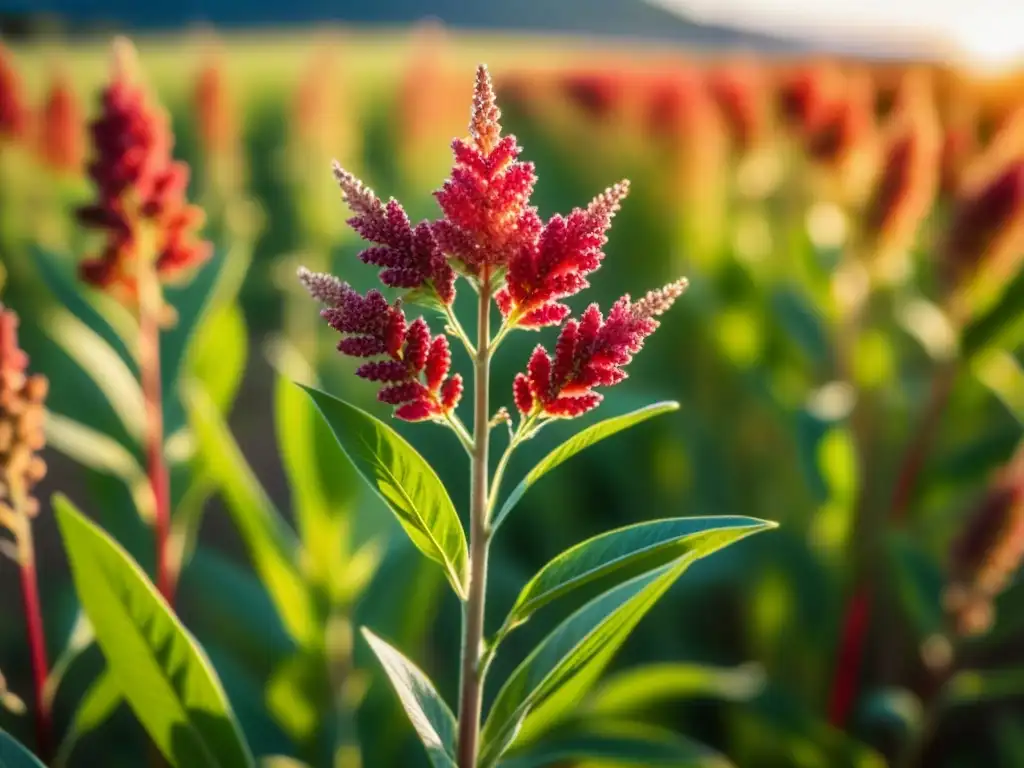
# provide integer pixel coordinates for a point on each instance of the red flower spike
(568, 249)
(522, 393)
(62, 129)
(987, 227)
(988, 551)
(138, 187)
(488, 217)
(413, 366)
(14, 113)
(409, 257)
(451, 392)
(590, 353)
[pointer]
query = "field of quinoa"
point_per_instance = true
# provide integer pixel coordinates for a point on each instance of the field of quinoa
(847, 358)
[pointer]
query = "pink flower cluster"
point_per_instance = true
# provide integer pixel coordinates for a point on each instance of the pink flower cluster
(412, 367)
(590, 352)
(489, 228)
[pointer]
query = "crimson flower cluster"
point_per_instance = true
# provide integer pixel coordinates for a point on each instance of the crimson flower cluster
(590, 352)
(409, 257)
(488, 229)
(488, 219)
(140, 207)
(62, 128)
(14, 112)
(411, 366)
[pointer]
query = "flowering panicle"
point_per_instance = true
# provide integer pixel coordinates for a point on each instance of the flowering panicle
(805, 97)
(488, 218)
(590, 352)
(846, 123)
(215, 110)
(409, 257)
(22, 399)
(555, 266)
(140, 206)
(988, 552)
(908, 181)
(14, 112)
(987, 227)
(62, 128)
(740, 93)
(596, 94)
(411, 366)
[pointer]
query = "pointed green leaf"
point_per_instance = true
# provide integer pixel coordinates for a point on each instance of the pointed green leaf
(101, 453)
(650, 685)
(271, 543)
(98, 705)
(14, 755)
(158, 667)
(1001, 322)
(217, 355)
(404, 480)
(577, 443)
(591, 633)
(101, 313)
(321, 480)
(976, 686)
(430, 716)
(627, 552)
(621, 745)
(107, 369)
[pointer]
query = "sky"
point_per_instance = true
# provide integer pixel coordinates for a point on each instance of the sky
(985, 33)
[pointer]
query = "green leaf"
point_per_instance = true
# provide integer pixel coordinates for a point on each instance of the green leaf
(634, 746)
(589, 636)
(217, 355)
(404, 480)
(79, 639)
(651, 685)
(103, 454)
(271, 543)
(918, 583)
(197, 303)
(627, 552)
(102, 364)
(977, 686)
(1004, 376)
(430, 716)
(110, 321)
(322, 482)
(156, 664)
(1001, 321)
(98, 705)
(14, 755)
(575, 444)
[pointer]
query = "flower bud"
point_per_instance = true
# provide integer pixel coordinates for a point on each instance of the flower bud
(22, 404)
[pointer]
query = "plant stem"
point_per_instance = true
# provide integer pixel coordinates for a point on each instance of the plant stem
(36, 635)
(149, 364)
(472, 676)
(857, 614)
(917, 452)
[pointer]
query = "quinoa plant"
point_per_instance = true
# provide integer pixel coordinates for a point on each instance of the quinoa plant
(490, 237)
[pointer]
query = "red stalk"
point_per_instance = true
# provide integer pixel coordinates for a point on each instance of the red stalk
(857, 616)
(36, 641)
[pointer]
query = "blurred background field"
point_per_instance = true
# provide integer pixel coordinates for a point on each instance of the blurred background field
(848, 358)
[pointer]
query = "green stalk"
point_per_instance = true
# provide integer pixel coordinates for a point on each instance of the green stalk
(472, 676)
